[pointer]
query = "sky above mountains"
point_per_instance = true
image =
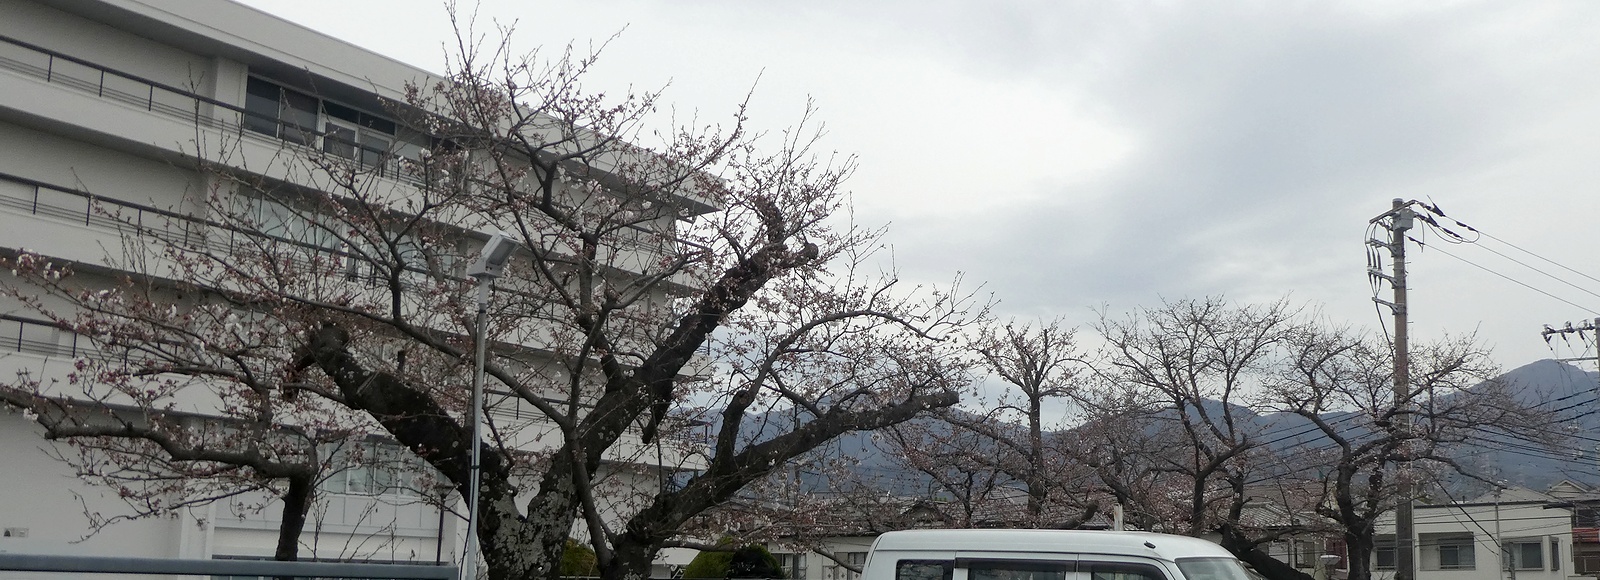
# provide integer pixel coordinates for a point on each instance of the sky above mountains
(1077, 155)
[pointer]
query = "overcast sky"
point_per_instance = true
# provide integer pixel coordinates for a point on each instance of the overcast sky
(1076, 154)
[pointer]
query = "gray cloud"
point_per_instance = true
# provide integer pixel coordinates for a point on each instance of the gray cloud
(1071, 154)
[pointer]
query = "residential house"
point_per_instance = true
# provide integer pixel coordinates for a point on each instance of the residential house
(1511, 533)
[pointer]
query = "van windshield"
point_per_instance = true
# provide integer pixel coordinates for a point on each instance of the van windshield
(1212, 569)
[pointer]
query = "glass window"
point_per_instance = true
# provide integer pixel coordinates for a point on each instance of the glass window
(1121, 571)
(795, 566)
(924, 570)
(1212, 569)
(261, 101)
(272, 217)
(342, 113)
(339, 139)
(1383, 554)
(372, 469)
(351, 140)
(1526, 555)
(299, 118)
(1306, 553)
(374, 149)
(836, 571)
(1018, 570)
(285, 113)
(1555, 554)
(1455, 554)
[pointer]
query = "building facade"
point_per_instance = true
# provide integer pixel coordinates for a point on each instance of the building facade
(105, 105)
(1513, 533)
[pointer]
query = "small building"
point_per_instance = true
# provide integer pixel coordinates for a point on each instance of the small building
(1510, 533)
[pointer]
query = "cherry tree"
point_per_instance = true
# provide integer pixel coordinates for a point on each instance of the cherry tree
(1366, 443)
(1008, 462)
(1197, 361)
(660, 272)
(1193, 371)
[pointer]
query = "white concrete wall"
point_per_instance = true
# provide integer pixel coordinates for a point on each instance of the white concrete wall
(51, 28)
(44, 499)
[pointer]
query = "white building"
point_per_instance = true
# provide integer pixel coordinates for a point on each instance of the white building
(108, 102)
(1514, 533)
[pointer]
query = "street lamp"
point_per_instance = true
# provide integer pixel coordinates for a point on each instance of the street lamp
(491, 261)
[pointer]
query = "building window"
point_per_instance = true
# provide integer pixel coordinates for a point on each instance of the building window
(371, 469)
(794, 565)
(1383, 553)
(1525, 555)
(297, 117)
(835, 571)
(283, 113)
(358, 136)
(1306, 553)
(1586, 517)
(1447, 551)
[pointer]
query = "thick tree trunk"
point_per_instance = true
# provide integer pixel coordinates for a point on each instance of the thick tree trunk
(1359, 555)
(514, 547)
(1250, 553)
(629, 562)
(296, 502)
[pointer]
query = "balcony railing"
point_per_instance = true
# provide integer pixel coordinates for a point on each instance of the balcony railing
(87, 77)
(42, 337)
(124, 217)
(154, 96)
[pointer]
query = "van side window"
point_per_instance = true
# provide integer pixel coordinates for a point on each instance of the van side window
(1121, 571)
(1017, 569)
(923, 570)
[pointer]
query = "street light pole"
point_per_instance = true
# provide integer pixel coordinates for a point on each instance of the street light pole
(488, 267)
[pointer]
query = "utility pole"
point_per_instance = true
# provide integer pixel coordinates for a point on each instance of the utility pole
(1592, 326)
(1398, 220)
(1588, 325)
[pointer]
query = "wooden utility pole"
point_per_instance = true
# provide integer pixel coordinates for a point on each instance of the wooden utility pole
(1398, 220)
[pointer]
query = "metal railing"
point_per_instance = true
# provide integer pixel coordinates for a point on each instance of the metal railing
(34, 336)
(221, 567)
(54, 67)
(124, 217)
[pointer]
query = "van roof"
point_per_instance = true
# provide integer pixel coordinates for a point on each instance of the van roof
(1161, 546)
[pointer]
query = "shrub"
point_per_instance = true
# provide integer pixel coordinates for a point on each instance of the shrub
(578, 560)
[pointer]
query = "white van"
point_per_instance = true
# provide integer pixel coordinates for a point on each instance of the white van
(1046, 555)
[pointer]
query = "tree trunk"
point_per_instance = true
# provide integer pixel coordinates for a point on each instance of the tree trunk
(513, 547)
(1359, 549)
(1250, 553)
(296, 502)
(629, 562)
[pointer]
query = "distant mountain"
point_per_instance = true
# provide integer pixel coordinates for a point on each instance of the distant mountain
(1567, 395)
(1566, 392)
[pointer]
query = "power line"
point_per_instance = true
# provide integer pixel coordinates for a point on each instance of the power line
(1434, 209)
(1513, 280)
